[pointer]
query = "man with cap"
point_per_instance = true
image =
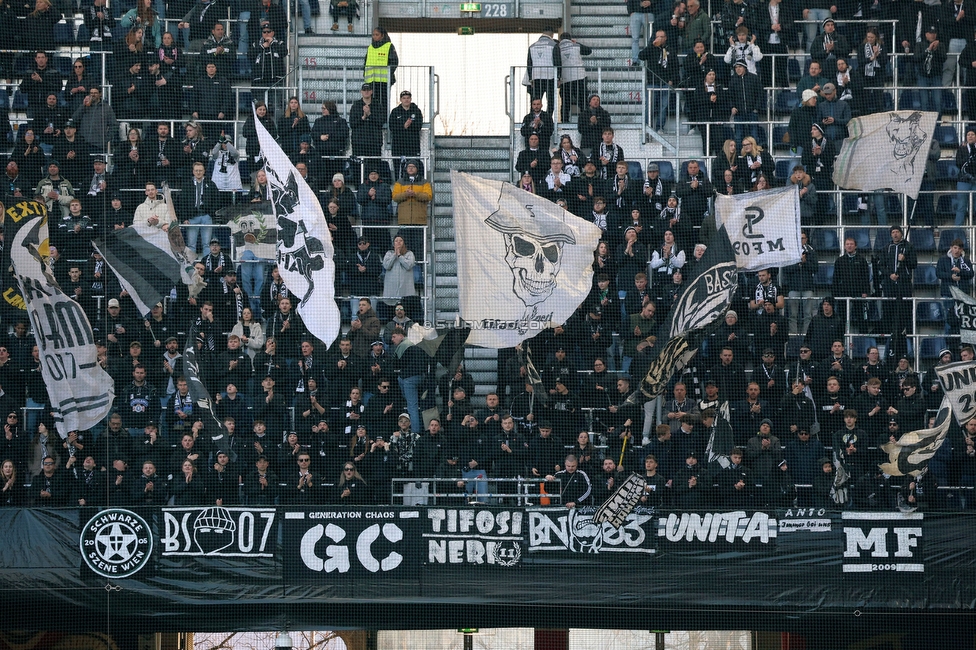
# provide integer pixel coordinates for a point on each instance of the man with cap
(747, 100)
(833, 114)
(406, 123)
(655, 192)
(895, 264)
(534, 160)
(929, 57)
(819, 152)
(366, 122)
(228, 297)
(852, 279)
(374, 198)
(261, 483)
(55, 190)
(98, 186)
(399, 320)
(803, 117)
(270, 60)
(72, 152)
(826, 48)
(542, 66)
(584, 187)
(412, 193)
(363, 270)
(764, 451)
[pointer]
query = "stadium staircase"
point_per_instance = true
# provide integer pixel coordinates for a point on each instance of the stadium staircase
(489, 157)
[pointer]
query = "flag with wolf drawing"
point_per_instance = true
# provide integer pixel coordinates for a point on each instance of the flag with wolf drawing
(304, 249)
(699, 306)
(523, 263)
(885, 150)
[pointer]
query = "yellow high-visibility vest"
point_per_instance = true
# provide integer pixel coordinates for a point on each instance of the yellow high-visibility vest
(377, 62)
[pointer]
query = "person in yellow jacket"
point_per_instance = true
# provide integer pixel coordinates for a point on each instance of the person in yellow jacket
(379, 68)
(412, 192)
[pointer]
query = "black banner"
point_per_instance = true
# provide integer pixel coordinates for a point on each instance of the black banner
(241, 567)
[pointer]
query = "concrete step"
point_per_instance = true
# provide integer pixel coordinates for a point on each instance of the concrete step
(579, 10)
(474, 153)
(469, 142)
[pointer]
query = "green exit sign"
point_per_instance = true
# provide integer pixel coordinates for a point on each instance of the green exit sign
(465, 31)
(467, 630)
(471, 6)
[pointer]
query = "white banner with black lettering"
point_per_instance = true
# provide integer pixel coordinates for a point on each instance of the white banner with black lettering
(81, 392)
(959, 385)
(763, 227)
(523, 262)
(965, 310)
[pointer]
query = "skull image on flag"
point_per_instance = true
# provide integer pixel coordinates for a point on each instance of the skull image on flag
(533, 251)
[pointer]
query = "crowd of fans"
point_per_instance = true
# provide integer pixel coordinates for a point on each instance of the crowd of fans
(302, 424)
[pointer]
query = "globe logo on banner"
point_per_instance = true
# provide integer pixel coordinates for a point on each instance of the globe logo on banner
(116, 543)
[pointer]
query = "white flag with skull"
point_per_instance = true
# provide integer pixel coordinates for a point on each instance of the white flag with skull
(523, 262)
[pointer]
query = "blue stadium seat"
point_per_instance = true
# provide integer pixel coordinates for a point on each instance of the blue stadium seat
(246, 100)
(824, 276)
(887, 100)
(946, 205)
(786, 101)
(793, 70)
(118, 33)
(948, 102)
(860, 345)
(931, 346)
(84, 35)
(882, 237)
(793, 345)
(634, 170)
(925, 276)
(779, 132)
(63, 65)
(862, 237)
(849, 203)
(20, 101)
(4, 99)
(909, 100)
(894, 207)
(784, 167)
(666, 169)
(922, 238)
(930, 313)
(64, 33)
(22, 65)
(946, 235)
(946, 170)
(824, 240)
(946, 136)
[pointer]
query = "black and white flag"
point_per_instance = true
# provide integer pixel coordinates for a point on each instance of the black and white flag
(701, 304)
(523, 262)
(81, 392)
(959, 386)
(885, 150)
(764, 227)
(198, 391)
(621, 503)
(911, 454)
(304, 251)
(965, 309)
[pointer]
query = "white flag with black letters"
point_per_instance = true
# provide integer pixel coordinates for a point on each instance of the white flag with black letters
(523, 262)
(763, 227)
(81, 392)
